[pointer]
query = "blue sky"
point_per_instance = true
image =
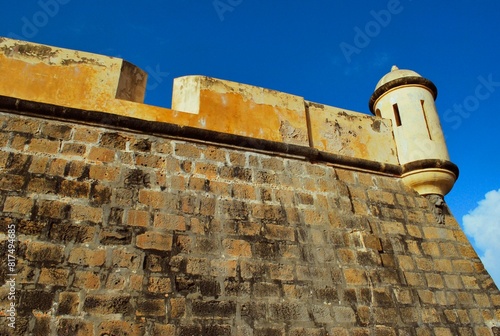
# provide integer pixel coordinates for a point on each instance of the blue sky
(330, 52)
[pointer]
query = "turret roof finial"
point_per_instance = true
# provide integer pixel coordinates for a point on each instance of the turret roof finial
(394, 67)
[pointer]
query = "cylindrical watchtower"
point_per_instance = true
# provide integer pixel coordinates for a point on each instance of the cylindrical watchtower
(407, 99)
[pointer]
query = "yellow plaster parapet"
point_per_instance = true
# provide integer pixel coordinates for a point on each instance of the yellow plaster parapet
(242, 109)
(82, 80)
(352, 134)
(67, 77)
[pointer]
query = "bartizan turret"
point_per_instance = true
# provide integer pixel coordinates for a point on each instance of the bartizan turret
(407, 99)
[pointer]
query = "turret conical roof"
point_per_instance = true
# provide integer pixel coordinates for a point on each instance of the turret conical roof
(396, 78)
(396, 73)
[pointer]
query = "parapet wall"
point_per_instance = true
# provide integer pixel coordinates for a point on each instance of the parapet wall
(99, 83)
(130, 225)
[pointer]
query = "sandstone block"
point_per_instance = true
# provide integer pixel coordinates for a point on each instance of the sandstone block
(121, 327)
(355, 276)
(74, 327)
(159, 285)
(68, 303)
(87, 256)
(104, 173)
(44, 146)
(154, 241)
(177, 307)
(237, 248)
(86, 280)
(213, 308)
(86, 213)
(44, 252)
(19, 205)
(54, 277)
(151, 307)
(164, 329)
(106, 304)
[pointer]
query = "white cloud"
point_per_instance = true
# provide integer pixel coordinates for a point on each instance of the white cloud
(483, 225)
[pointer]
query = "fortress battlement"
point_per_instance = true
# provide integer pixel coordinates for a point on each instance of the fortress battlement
(240, 210)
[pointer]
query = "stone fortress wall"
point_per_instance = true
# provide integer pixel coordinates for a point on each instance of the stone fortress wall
(240, 211)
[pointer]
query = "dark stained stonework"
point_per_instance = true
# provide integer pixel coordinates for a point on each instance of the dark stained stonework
(146, 234)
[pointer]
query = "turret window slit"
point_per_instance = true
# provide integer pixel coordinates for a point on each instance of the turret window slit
(397, 117)
(425, 118)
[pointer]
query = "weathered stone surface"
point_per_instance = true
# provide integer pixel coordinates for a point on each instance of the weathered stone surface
(96, 78)
(123, 232)
(350, 133)
(275, 115)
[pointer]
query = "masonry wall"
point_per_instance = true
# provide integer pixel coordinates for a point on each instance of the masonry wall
(125, 233)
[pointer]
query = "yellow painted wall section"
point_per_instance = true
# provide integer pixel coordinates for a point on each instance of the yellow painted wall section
(241, 109)
(93, 82)
(57, 76)
(353, 134)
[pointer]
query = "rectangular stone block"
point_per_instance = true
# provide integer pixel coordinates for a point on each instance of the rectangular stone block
(265, 289)
(177, 307)
(281, 272)
(434, 280)
(214, 308)
(237, 247)
(354, 276)
(344, 315)
(224, 268)
(86, 280)
(104, 173)
(74, 327)
(68, 303)
(156, 199)
(150, 307)
(44, 252)
(88, 257)
(392, 228)
(19, 205)
(197, 266)
(138, 218)
(279, 232)
(121, 327)
(11, 182)
(73, 150)
(54, 277)
(438, 233)
(100, 154)
(385, 315)
(154, 241)
(286, 311)
(44, 146)
(106, 304)
(86, 213)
